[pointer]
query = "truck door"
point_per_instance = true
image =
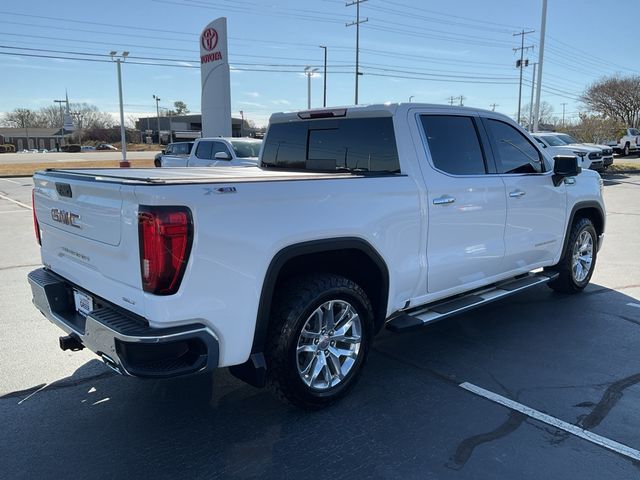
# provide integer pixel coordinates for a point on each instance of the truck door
(466, 203)
(536, 209)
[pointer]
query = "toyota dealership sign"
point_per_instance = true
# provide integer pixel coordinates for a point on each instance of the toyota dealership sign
(216, 89)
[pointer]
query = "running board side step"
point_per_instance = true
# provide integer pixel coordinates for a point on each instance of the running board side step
(446, 308)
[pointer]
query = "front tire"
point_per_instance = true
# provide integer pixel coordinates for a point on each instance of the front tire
(319, 338)
(625, 150)
(579, 261)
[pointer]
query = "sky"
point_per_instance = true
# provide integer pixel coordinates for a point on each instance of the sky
(425, 50)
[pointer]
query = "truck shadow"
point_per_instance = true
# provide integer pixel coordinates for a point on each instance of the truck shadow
(406, 418)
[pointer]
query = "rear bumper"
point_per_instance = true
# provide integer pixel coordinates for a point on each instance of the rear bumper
(124, 341)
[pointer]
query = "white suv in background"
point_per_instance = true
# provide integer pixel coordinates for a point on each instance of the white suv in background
(555, 146)
(607, 151)
(219, 152)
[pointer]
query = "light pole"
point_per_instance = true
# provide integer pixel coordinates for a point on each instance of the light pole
(119, 59)
(79, 122)
(324, 97)
(157, 99)
(59, 102)
(241, 123)
(308, 71)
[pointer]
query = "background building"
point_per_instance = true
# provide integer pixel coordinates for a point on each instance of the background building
(187, 127)
(30, 138)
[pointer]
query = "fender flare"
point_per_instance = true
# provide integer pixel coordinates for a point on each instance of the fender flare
(591, 204)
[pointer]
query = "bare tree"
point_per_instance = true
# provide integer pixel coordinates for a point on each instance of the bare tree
(180, 108)
(91, 116)
(595, 128)
(545, 115)
(615, 97)
(21, 118)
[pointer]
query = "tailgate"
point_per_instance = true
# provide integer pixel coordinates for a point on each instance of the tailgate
(89, 233)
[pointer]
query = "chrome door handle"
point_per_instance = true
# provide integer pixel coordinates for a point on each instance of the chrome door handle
(444, 200)
(517, 194)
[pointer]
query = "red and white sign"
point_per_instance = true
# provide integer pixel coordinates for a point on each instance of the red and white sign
(216, 84)
(209, 39)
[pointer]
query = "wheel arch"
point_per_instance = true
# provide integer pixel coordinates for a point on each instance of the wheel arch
(352, 257)
(587, 209)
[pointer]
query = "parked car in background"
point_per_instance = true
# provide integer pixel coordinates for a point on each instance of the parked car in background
(105, 146)
(87, 148)
(555, 146)
(607, 151)
(180, 150)
(219, 152)
(629, 142)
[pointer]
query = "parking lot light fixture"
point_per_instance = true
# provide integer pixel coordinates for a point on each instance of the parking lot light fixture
(119, 59)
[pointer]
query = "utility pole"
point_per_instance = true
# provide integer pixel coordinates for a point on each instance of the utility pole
(241, 123)
(59, 102)
(563, 105)
(533, 82)
(308, 71)
(157, 99)
(461, 98)
(324, 97)
(119, 59)
(451, 100)
(357, 24)
(493, 106)
(521, 64)
(540, 62)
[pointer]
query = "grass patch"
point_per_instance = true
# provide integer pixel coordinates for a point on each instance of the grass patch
(624, 167)
(27, 169)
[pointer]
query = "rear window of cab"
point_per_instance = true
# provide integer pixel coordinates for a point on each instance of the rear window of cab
(357, 144)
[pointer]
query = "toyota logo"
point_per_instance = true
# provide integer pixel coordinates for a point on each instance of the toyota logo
(209, 39)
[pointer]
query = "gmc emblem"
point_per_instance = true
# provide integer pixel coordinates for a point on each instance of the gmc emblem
(68, 218)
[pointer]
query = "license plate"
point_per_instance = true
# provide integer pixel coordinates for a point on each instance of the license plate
(84, 303)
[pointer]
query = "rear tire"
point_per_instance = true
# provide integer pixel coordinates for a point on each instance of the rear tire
(319, 338)
(576, 266)
(625, 150)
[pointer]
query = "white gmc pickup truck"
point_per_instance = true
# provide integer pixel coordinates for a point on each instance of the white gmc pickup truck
(357, 218)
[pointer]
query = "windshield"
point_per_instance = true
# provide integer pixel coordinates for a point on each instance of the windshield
(567, 139)
(554, 141)
(246, 148)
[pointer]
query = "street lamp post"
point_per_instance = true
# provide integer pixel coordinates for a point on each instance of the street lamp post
(119, 59)
(324, 96)
(308, 71)
(241, 123)
(157, 99)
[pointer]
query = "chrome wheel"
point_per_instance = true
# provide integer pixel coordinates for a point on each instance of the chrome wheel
(582, 256)
(329, 344)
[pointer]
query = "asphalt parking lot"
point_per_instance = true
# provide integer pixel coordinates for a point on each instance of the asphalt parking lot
(573, 358)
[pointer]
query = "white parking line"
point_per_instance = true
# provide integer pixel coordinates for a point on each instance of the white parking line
(637, 305)
(8, 180)
(16, 202)
(554, 422)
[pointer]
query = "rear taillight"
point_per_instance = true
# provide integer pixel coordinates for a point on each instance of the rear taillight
(165, 236)
(36, 227)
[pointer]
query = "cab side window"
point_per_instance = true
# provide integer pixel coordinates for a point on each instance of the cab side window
(454, 144)
(514, 152)
(204, 150)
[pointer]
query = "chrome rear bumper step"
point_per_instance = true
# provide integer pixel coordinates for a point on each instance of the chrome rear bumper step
(424, 315)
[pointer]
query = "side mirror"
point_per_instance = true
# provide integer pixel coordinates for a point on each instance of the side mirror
(164, 151)
(221, 156)
(565, 166)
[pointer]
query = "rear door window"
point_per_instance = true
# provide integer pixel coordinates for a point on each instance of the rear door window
(358, 144)
(514, 152)
(454, 144)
